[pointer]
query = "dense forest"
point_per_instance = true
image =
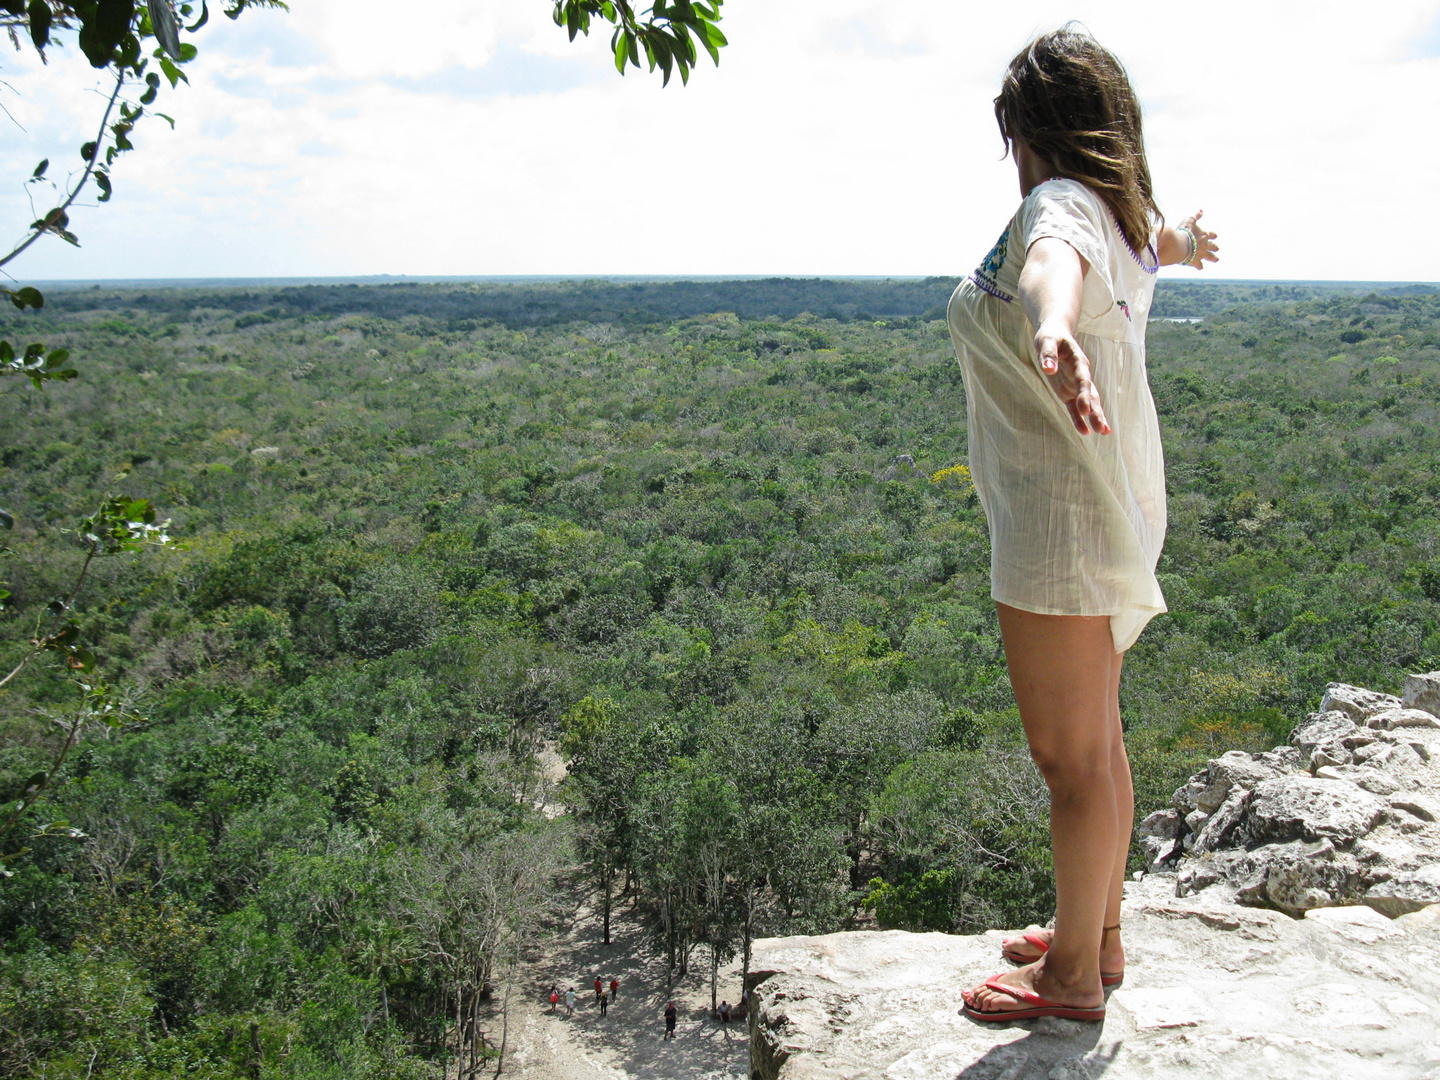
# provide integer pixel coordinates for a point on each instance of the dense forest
(715, 543)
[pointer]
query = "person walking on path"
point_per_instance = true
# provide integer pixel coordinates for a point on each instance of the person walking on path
(670, 1020)
(554, 997)
(614, 988)
(1066, 459)
(599, 989)
(570, 1001)
(604, 1004)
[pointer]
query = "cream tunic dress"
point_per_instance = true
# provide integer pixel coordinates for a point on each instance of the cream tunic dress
(1076, 521)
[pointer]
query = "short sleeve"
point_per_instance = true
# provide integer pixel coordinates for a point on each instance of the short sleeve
(1068, 211)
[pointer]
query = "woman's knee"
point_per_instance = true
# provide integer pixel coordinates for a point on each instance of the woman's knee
(1073, 765)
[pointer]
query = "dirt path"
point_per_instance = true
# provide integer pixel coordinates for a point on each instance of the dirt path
(627, 1043)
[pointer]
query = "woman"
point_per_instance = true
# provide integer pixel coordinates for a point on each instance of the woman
(1065, 454)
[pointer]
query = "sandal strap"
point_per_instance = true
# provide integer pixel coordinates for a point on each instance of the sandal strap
(1016, 992)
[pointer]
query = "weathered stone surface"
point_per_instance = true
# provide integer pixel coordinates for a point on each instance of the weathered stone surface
(1406, 892)
(1295, 877)
(1229, 771)
(1157, 835)
(1356, 922)
(1355, 701)
(1212, 992)
(1391, 719)
(1363, 777)
(1299, 807)
(1422, 692)
(1223, 823)
(1320, 728)
(1424, 807)
(1374, 795)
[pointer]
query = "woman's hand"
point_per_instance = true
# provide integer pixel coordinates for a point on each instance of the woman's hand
(1068, 368)
(1206, 250)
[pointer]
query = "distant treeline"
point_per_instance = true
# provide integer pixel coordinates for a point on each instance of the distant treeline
(466, 306)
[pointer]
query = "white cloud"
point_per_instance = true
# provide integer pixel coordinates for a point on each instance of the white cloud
(337, 140)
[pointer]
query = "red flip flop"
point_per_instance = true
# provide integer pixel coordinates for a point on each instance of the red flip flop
(1041, 946)
(1038, 1007)
(1108, 979)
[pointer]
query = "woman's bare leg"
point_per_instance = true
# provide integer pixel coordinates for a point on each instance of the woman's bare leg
(1065, 673)
(1112, 952)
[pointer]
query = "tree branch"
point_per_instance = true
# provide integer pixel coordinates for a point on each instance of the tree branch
(84, 176)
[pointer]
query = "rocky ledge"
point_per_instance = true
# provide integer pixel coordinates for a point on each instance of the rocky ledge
(1288, 927)
(1348, 813)
(1212, 990)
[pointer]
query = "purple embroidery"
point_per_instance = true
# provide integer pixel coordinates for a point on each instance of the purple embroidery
(991, 288)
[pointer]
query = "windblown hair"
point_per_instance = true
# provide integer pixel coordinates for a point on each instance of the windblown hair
(1068, 99)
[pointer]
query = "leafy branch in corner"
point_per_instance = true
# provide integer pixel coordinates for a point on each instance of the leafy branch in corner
(114, 36)
(667, 32)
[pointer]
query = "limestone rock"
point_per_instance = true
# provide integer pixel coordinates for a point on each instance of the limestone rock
(1363, 777)
(1422, 692)
(1319, 729)
(1223, 823)
(1301, 807)
(1158, 834)
(1295, 877)
(1233, 770)
(1391, 719)
(1355, 701)
(1212, 992)
(1406, 892)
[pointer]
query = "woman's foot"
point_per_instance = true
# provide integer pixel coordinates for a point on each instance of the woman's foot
(1029, 946)
(1032, 987)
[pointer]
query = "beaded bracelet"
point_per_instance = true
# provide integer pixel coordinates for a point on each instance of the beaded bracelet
(1194, 243)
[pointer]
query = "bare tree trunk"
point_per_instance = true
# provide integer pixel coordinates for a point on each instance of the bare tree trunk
(505, 1012)
(459, 1031)
(714, 973)
(609, 886)
(746, 932)
(255, 1056)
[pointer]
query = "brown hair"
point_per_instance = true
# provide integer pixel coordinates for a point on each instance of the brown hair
(1068, 99)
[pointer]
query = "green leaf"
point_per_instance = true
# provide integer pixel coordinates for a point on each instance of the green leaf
(87, 151)
(39, 23)
(173, 73)
(188, 52)
(40, 169)
(168, 119)
(165, 26)
(102, 180)
(28, 296)
(204, 17)
(35, 783)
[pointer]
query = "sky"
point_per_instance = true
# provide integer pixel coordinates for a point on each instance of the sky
(839, 138)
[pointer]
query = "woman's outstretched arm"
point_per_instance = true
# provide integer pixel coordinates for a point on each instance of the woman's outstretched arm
(1050, 291)
(1174, 244)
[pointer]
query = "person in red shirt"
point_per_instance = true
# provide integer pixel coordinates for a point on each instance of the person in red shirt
(599, 989)
(614, 988)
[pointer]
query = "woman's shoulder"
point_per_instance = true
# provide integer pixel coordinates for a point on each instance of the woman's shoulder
(1062, 189)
